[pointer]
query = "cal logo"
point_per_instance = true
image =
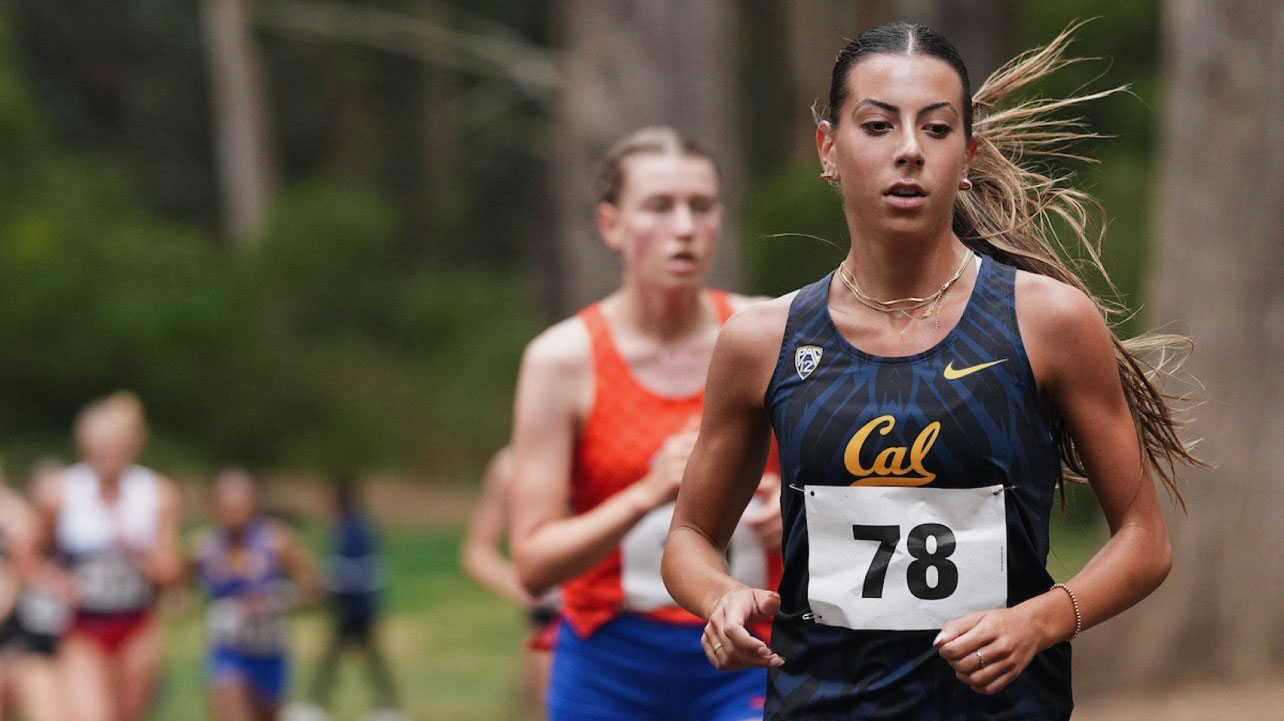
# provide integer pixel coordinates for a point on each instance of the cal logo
(895, 465)
(806, 358)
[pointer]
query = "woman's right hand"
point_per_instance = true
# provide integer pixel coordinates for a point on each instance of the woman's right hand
(668, 465)
(727, 642)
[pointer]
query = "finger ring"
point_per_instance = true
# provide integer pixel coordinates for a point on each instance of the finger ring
(717, 648)
(978, 658)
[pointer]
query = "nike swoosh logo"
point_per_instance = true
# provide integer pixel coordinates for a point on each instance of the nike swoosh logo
(953, 375)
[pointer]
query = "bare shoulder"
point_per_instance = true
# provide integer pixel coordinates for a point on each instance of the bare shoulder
(750, 341)
(1050, 310)
(560, 351)
(13, 509)
(10, 501)
(556, 378)
(760, 320)
(740, 302)
(167, 493)
(500, 467)
(1064, 334)
(47, 492)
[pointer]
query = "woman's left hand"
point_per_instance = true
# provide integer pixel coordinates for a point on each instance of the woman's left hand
(988, 649)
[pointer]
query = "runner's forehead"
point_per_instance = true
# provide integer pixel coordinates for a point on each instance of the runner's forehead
(649, 174)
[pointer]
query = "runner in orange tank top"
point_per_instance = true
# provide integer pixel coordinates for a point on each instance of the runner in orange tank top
(607, 411)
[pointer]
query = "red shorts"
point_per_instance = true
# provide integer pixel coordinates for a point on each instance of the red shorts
(111, 630)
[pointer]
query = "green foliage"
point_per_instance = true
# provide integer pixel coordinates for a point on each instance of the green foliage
(1120, 41)
(380, 317)
(312, 349)
(795, 232)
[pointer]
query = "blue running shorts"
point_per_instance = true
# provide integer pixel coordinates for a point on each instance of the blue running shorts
(265, 675)
(637, 669)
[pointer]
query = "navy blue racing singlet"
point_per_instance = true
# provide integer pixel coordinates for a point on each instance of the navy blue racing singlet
(873, 452)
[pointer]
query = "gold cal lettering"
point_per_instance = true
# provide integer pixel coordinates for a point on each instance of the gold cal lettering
(890, 467)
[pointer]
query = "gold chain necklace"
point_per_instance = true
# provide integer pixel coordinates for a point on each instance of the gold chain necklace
(905, 306)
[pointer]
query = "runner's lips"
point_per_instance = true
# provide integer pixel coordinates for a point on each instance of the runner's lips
(906, 190)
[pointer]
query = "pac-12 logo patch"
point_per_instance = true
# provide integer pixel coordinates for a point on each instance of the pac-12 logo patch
(806, 358)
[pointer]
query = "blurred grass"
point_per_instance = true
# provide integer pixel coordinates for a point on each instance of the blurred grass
(454, 648)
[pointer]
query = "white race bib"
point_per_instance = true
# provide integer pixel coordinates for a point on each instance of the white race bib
(42, 612)
(111, 583)
(904, 559)
(230, 624)
(643, 547)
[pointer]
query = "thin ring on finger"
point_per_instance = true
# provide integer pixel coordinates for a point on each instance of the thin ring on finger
(717, 647)
(979, 658)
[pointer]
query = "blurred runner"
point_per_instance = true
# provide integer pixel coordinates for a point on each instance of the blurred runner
(607, 411)
(246, 564)
(486, 564)
(114, 526)
(28, 676)
(354, 577)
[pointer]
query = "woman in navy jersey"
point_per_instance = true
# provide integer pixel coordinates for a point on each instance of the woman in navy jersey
(354, 580)
(924, 395)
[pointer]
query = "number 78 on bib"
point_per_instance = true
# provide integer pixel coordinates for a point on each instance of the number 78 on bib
(904, 559)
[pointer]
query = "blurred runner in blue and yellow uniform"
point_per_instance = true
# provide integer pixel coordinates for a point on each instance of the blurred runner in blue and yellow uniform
(253, 569)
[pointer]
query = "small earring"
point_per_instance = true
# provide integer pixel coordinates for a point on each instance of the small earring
(965, 184)
(829, 176)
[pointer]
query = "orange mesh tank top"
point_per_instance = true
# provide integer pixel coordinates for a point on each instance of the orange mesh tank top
(625, 428)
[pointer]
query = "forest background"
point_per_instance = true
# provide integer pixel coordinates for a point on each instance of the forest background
(314, 235)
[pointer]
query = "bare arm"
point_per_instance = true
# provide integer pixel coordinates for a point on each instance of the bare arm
(480, 555)
(549, 545)
(163, 561)
(297, 563)
(46, 496)
(18, 526)
(724, 471)
(1073, 360)
(22, 534)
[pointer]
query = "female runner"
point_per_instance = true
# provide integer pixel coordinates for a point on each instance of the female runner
(28, 676)
(114, 526)
(923, 396)
(483, 560)
(253, 569)
(606, 410)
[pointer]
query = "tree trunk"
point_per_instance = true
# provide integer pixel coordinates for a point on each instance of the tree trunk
(977, 29)
(626, 65)
(237, 96)
(1216, 275)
